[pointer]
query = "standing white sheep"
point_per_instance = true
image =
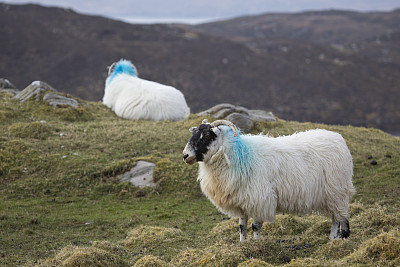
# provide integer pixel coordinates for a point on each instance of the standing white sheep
(256, 175)
(131, 97)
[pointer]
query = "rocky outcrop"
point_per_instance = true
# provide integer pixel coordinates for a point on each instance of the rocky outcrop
(242, 117)
(36, 89)
(42, 91)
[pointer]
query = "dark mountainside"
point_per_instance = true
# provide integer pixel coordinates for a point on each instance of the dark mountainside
(333, 67)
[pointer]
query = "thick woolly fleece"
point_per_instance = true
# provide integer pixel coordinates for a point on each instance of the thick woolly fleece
(131, 97)
(257, 176)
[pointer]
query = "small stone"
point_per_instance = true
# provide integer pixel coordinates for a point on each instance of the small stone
(141, 175)
(388, 156)
(373, 162)
(286, 259)
(141, 194)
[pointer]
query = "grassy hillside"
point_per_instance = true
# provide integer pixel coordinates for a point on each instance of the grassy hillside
(60, 203)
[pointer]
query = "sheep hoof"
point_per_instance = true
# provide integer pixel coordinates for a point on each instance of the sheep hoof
(344, 234)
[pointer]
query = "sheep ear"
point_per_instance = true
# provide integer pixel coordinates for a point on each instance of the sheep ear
(192, 129)
(205, 121)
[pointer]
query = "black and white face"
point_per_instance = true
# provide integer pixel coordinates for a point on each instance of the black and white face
(199, 144)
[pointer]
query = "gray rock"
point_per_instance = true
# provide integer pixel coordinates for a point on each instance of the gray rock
(222, 113)
(261, 115)
(242, 117)
(9, 91)
(59, 101)
(241, 120)
(216, 108)
(35, 89)
(7, 87)
(6, 84)
(141, 175)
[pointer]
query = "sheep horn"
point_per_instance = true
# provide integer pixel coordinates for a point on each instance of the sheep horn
(227, 123)
(110, 68)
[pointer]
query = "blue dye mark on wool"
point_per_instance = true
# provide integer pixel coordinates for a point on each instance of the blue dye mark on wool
(240, 155)
(122, 67)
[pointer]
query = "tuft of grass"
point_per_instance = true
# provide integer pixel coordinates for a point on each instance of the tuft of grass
(61, 203)
(381, 250)
(34, 130)
(84, 256)
(336, 249)
(373, 221)
(309, 262)
(254, 263)
(219, 254)
(152, 237)
(150, 261)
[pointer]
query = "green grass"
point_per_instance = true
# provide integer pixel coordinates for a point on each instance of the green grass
(60, 203)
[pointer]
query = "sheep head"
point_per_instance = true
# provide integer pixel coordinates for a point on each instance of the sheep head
(121, 67)
(204, 140)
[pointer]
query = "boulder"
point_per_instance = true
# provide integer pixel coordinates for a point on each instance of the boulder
(242, 117)
(35, 89)
(141, 175)
(241, 120)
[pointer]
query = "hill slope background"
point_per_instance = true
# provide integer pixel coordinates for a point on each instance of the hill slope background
(334, 67)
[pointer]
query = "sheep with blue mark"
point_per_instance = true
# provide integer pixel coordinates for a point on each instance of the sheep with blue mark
(131, 97)
(257, 175)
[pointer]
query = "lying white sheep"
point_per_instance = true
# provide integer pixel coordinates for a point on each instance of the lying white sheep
(131, 97)
(256, 175)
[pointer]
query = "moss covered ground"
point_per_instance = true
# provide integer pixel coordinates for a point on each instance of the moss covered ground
(61, 205)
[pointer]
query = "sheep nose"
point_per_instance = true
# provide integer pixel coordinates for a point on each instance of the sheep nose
(185, 156)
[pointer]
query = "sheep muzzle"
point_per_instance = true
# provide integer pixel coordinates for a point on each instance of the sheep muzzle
(190, 160)
(189, 155)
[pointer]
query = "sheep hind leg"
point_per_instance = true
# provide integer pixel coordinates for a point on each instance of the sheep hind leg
(334, 230)
(256, 226)
(243, 228)
(344, 229)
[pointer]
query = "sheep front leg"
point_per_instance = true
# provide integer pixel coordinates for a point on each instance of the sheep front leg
(256, 226)
(344, 229)
(334, 230)
(243, 228)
